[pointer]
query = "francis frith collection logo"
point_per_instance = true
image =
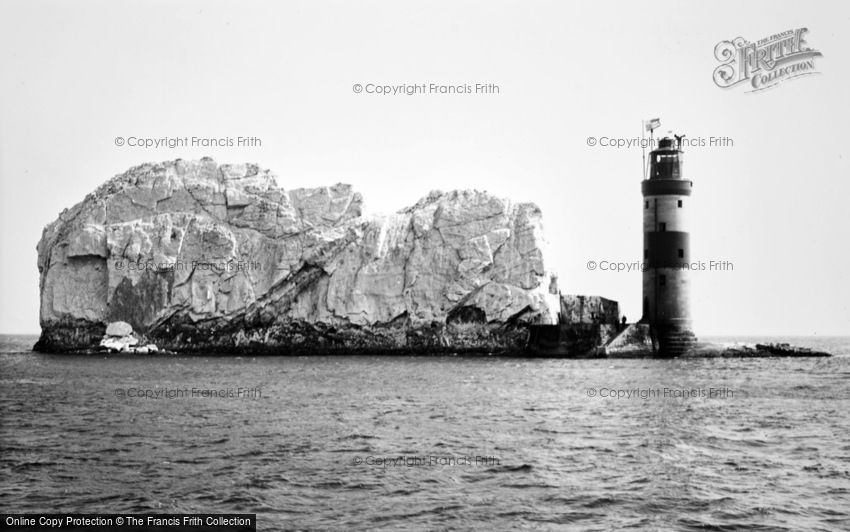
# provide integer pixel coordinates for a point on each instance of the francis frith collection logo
(765, 63)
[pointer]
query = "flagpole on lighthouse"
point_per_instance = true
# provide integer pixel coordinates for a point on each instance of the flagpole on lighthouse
(651, 138)
(650, 125)
(643, 145)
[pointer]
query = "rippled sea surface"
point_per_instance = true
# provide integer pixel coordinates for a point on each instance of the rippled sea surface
(433, 442)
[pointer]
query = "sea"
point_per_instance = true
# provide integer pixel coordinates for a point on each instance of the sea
(433, 442)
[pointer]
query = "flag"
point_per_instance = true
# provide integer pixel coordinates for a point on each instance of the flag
(652, 124)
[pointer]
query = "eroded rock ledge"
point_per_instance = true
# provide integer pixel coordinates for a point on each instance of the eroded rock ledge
(200, 256)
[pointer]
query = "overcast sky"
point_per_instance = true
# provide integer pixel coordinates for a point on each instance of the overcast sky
(76, 75)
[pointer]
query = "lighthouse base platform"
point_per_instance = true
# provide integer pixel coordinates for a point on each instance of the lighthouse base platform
(638, 340)
(672, 340)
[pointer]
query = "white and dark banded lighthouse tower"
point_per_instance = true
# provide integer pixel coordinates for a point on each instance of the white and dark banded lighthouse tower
(666, 250)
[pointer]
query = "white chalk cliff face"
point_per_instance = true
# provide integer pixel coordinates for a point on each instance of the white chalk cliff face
(201, 255)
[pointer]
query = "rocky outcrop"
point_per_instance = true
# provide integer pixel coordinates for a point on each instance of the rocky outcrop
(745, 350)
(197, 256)
(634, 340)
(589, 309)
(119, 338)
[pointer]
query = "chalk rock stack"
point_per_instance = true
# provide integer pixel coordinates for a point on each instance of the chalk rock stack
(200, 256)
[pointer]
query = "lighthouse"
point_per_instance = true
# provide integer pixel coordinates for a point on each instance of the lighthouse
(666, 249)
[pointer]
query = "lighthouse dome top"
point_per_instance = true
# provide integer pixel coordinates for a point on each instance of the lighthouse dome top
(665, 162)
(670, 143)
